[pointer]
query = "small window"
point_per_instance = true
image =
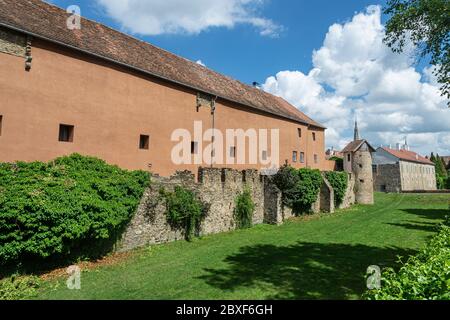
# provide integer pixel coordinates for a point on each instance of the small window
(233, 152)
(66, 133)
(294, 156)
(264, 156)
(144, 142)
(194, 147)
(316, 158)
(314, 136)
(349, 158)
(1, 121)
(302, 157)
(299, 132)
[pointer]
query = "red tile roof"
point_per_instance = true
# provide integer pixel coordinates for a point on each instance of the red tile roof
(408, 156)
(355, 145)
(46, 21)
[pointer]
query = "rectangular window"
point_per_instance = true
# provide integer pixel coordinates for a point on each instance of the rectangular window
(299, 132)
(264, 156)
(1, 122)
(316, 158)
(144, 142)
(233, 152)
(349, 158)
(294, 156)
(314, 136)
(194, 147)
(66, 133)
(302, 157)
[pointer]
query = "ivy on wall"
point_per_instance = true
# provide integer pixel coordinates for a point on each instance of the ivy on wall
(244, 210)
(339, 183)
(184, 210)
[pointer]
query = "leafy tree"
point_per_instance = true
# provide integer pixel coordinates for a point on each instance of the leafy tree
(427, 24)
(432, 158)
(440, 167)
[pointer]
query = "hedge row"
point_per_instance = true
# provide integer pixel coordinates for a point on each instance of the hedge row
(50, 209)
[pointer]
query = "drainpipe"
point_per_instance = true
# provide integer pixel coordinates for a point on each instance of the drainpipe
(213, 114)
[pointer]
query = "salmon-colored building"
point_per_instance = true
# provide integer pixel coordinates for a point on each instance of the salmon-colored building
(99, 92)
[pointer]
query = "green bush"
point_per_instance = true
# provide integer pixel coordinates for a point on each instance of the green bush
(245, 207)
(19, 288)
(300, 188)
(184, 210)
(74, 202)
(441, 182)
(423, 277)
(339, 182)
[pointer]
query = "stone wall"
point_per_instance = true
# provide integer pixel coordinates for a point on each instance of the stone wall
(387, 178)
(217, 189)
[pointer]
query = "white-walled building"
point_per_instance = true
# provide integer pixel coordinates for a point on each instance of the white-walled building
(402, 170)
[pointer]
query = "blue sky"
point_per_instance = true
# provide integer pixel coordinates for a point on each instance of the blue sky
(325, 57)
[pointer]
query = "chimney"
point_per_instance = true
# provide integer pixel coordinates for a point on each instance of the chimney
(399, 147)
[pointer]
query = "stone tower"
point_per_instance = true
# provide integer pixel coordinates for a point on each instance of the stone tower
(358, 161)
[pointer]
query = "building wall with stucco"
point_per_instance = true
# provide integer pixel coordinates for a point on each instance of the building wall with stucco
(416, 176)
(110, 107)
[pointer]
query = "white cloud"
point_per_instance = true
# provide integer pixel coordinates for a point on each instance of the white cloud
(155, 17)
(200, 62)
(354, 73)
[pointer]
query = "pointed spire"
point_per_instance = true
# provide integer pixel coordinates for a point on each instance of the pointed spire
(356, 137)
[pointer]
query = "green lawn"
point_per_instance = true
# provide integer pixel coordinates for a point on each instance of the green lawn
(323, 258)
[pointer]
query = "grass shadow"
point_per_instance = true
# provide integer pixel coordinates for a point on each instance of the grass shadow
(304, 270)
(428, 214)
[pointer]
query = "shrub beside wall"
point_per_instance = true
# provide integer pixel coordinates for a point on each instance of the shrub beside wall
(75, 202)
(300, 188)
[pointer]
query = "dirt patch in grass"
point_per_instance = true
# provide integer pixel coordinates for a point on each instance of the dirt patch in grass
(111, 260)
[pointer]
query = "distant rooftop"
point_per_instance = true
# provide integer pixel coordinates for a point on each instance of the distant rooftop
(407, 155)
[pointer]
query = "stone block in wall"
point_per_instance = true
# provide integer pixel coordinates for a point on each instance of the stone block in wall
(149, 224)
(12, 42)
(349, 197)
(273, 211)
(253, 180)
(326, 197)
